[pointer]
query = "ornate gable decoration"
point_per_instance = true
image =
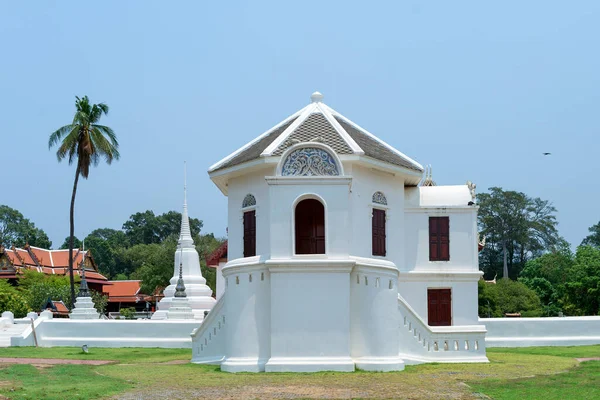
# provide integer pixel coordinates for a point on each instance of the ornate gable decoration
(249, 201)
(379, 198)
(310, 161)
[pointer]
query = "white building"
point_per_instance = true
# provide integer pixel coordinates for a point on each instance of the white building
(337, 258)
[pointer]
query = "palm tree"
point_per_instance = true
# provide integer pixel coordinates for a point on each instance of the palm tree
(85, 142)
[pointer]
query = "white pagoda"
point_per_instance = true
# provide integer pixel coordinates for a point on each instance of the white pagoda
(199, 295)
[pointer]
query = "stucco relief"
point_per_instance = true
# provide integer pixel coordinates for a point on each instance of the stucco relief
(309, 161)
(379, 198)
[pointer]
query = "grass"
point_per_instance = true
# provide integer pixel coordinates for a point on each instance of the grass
(524, 373)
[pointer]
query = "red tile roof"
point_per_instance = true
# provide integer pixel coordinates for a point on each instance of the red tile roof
(213, 259)
(124, 291)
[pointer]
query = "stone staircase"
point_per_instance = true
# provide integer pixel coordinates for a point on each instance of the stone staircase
(9, 330)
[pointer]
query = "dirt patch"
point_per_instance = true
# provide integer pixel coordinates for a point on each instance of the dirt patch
(176, 362)
(37, 362)
(588, 359)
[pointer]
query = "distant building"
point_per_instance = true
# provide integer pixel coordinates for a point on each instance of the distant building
(126, 294)
(14, 261)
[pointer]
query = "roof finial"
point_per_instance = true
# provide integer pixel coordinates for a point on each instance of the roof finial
(316, 97)
(428, 181)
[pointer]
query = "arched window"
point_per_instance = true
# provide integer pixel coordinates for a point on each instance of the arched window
(379, 198)
(249, 201)
(310, 227)
(249, 226)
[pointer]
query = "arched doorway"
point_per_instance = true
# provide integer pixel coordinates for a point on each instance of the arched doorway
(310, 227)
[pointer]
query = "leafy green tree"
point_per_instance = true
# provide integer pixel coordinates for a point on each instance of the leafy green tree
(152, 264)
(205, 245)
(120, 277)
(37, 288)
(593, 239)
(85, 142)
(16, 230)
(107, 247)
(508, 296)
(76, 243)
(583, 287)
(100, 301)
(148, 228)
(517, 228)
(12, 300)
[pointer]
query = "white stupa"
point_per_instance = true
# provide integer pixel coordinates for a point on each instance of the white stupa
(84, 306)
(198, 293)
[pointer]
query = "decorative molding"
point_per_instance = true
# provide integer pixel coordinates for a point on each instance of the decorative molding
(249, 201)
(310, 161)
(379, 198)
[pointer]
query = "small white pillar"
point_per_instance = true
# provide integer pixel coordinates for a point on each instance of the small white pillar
(9, 315)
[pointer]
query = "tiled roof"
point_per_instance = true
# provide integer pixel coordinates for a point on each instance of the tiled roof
(316, 125)
(374, 148)
(123, 291)
(317, 122)
(254, 150)
(221, 252)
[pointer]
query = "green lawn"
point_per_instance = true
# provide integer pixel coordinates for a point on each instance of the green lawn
(526, 373)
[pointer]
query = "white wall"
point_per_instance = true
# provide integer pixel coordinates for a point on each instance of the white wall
(365, 182)
(110, 333)
(463, 292)
(335, 198)
(255, 184)
(525, 332)
(463, 240)
(220, 289)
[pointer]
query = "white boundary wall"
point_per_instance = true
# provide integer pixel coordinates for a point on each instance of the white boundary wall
(526, 332)
(109, 333)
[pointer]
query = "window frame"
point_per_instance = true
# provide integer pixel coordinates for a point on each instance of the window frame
(439, 242)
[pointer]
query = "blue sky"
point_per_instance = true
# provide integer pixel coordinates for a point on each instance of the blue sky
(478, 90)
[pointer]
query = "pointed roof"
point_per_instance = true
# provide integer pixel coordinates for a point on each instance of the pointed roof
(318, 122)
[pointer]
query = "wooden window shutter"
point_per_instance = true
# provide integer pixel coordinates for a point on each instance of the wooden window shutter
(250, 233)
(439, 238)
(378, 232)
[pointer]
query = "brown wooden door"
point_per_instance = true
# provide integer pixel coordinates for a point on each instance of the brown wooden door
(310, 227)
(249, 233)
(439, 307)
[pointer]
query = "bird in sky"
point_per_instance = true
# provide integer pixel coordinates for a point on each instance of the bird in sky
(546, 154)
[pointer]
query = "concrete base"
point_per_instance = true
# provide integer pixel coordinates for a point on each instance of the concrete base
(243, 364)
(84, 309)
(309, 364)
(379, 364)
(180, 309)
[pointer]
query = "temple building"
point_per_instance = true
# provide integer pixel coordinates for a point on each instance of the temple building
(14, 261)
(342, 253)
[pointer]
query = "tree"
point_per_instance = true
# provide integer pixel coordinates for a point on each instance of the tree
(152, 264)
(76, 243)
(517, 228)
(11, 300)
(16, 230)
(37, 287)
(583, 287)
(593, 239)
(148, 228)
(508, 296)
(86, 142)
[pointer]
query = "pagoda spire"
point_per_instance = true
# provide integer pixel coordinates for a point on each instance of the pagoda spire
(185, 236)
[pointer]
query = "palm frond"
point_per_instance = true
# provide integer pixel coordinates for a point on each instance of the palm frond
(104, 146)
(58, 134)
(68, 145)
(108, 132)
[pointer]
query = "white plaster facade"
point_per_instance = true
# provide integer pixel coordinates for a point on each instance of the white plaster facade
(344, 308)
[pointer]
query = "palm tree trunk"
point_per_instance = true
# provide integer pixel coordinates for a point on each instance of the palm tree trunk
(505, 269)
(72, 235)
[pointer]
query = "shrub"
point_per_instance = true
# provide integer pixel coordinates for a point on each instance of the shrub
(508, 296)
(11, 300)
